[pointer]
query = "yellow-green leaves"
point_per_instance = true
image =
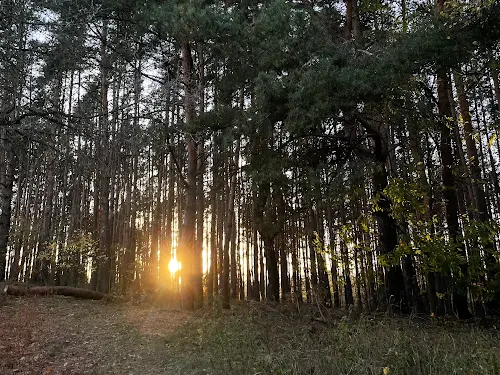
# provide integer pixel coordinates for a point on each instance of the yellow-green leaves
(492, 139)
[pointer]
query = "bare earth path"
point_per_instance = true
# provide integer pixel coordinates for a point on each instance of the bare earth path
(67, 336)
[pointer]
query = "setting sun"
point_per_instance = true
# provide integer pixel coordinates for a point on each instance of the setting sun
(174, 265)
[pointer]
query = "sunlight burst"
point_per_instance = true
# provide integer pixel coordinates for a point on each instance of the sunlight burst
(174, 266)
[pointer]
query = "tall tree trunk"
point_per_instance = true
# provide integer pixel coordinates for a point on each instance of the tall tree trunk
(231, 211)
(200, 211)
(386, 224)
(370, 272)
(334, 267)
(349, 298)
(104, 270)
(167, 249)
(351, 28)
(229, 228)
(449, 189)
(496, 84)
(394, 281)
(7, 169)
(481, 204)
(213, 273)
(268, 234)
(200, 199)
(285, 284)
(256, 274)
(189, 252)
(156, 228)
(46, 270)
(312, 251)
(316, 233)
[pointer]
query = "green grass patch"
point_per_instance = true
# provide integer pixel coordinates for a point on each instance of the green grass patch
(256, 340)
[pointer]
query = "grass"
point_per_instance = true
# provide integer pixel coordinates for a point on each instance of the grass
(258, 341)
(61, 335)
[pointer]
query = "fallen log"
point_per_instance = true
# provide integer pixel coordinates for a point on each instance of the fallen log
(68, 291)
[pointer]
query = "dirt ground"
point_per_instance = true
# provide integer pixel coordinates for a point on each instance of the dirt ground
(61, 335)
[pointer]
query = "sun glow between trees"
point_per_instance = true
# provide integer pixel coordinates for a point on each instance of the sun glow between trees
(174, 266)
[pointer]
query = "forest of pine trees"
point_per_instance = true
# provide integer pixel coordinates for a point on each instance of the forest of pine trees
(342, 153)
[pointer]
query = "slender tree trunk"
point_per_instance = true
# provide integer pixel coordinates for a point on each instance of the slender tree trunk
(220, 232)
(394, 281)
(268, 235)
(200, 198)
(496, 84)
(200, 211)
(213, 273)
(418, 160)
(7, 169)
(370, 272)
(230, 227)
(312, 252)
(481, 205)
(349, 298)
(351, 28)
(189, 252)
(256, 252)
(233, 170)
(334, 268)
(285, 284)
(156, 228)
(449, 193)
(316, 230)
(104, 271)
(167, 248)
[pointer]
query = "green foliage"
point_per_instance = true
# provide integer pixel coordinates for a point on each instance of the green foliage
(188, 21)
(424, 238)
(81, 246)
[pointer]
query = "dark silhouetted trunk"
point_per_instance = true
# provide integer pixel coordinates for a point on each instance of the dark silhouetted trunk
(228, 235)
(189, 250)
(7, 169)
(449, 189)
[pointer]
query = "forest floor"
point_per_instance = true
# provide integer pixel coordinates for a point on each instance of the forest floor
(58, 335)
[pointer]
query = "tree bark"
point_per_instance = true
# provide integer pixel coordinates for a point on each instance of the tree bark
(481, 205)
(449, 189)
(344, 251)
(351, 28)
(388, 237)
(189, 251)
(496, 84)
(104, 268)
(228, 235)
(268, 234)
(7, 169)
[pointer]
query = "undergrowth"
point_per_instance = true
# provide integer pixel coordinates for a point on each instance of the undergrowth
(255, 339)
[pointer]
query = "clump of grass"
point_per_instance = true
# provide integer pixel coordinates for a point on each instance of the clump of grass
(258, 341)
